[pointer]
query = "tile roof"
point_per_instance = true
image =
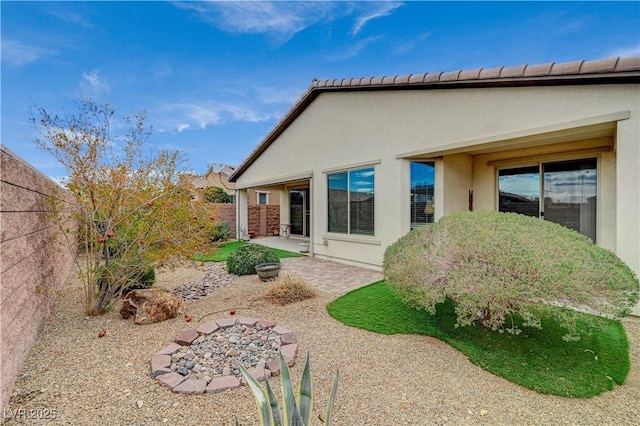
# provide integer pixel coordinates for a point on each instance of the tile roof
(550, 69)
(601, 71)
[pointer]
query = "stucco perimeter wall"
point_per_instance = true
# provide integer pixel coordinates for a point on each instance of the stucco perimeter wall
(343, 130)
(35, 263)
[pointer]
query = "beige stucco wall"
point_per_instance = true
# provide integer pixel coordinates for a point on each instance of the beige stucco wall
(274, 195)
(383, 129)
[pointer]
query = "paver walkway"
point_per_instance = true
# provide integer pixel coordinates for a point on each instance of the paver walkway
(332, 277)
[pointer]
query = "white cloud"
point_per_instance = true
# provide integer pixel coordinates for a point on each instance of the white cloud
(375, 10)
(17, 53)
(185, 116)
(281, 20)
(92, 82)
(406, 46)
(354, 49)
(70, 16)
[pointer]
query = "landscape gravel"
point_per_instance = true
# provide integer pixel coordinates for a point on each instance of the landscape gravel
(384, 380)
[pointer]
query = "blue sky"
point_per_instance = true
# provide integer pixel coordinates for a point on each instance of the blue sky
(215, 77)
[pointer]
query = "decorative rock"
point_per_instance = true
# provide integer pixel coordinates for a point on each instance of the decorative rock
(226, 322)
(160, 361)
(223, 383)
(274, 366)
(212, 356)
(160, 371)
(289, 352)
(288, 338)
(259, 373)
(281, 330)
(191, 386)
(169, 349)
(151, 305)
(208, 327)
(216, 277)
(248, 321)
(265, 324)
(186, 337)
(171, 380)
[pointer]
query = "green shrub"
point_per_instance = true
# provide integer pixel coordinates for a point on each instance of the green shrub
(220, 231)
(244, 260)
(214, 194)
(497, 265)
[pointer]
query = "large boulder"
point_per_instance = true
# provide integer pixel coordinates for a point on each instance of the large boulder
(151, 305)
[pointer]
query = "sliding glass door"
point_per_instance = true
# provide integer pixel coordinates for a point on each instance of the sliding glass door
(299, 211)
(569, 191)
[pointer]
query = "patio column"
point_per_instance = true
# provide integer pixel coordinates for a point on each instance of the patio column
(628, 194)
(242, 214)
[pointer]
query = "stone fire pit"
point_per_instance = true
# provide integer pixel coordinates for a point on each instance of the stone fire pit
(205, 359)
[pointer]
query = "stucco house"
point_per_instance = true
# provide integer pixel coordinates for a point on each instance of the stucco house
(367, 159)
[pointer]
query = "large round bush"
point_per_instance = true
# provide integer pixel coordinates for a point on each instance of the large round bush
(244, 260)
(496, 265)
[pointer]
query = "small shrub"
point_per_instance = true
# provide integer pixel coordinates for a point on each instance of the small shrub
(243, 261)
(495, 266)
(221, 231)
(288, 289)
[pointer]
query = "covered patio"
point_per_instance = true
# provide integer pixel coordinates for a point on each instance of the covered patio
(292, 244)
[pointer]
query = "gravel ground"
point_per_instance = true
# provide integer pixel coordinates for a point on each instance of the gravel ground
(385, 380)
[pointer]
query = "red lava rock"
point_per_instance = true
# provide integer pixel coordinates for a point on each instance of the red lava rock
(233, 312)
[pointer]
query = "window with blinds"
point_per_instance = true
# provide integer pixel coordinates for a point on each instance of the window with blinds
(351, 202)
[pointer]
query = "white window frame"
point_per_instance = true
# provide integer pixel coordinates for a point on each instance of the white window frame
(266, 197)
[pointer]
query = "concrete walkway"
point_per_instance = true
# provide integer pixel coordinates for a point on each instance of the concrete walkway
(325, 275)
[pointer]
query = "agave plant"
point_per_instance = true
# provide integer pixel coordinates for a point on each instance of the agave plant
(293, 412)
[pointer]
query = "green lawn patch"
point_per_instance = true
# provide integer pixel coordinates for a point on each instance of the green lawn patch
(537, 359)
(222, 252)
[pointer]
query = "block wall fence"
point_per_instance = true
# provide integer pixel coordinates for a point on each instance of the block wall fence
(35, 261)
(264, 220)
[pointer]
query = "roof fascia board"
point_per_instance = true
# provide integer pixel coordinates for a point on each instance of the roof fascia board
(277, 180)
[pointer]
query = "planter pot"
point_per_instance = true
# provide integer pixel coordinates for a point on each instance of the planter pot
(304, 247)
(268, 271)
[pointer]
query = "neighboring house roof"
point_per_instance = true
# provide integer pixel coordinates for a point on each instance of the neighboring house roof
(200, 182)
(603, 71)
(219, 168)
